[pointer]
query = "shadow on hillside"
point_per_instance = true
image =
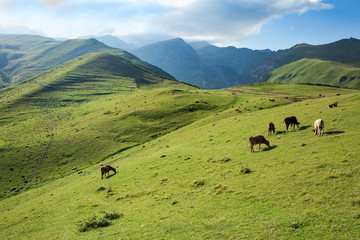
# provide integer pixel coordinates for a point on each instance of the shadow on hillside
(334, 132)
(280, 132)
(269, 148)
(304, 127)
(110, 176)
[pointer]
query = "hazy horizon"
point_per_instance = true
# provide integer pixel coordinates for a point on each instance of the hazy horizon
(260, 24)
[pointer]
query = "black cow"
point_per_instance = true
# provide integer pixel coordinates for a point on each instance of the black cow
(292, 121)
(106, 169)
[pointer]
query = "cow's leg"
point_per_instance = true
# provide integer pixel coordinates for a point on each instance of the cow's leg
(259, 146)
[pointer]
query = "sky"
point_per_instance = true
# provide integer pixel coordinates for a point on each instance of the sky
(255, 24)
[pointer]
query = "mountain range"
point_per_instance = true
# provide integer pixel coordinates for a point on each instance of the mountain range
(200, 64)
(221, 67)
(183, 165)
(25, 56)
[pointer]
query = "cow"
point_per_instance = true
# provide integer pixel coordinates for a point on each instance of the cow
(271, 128)
(259, 139)
(318, 127)
(292, 121)
(106, 169)
(332, 105)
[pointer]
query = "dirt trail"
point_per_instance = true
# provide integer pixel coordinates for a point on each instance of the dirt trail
(273, 95)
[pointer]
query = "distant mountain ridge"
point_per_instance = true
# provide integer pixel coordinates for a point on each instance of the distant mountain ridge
(317, 71)
(184, 63)
(103, 71)
(24, 56)
(231, 66)
(198, 63)
(113, 41)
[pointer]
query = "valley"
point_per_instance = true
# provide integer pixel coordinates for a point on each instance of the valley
(198, 178)
(183, 165)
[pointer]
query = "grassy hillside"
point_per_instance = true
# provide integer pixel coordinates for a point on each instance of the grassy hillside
(85, 110)
(221, 67)
(316, 71)
(344, 51)
(202, 182)
(24, 56)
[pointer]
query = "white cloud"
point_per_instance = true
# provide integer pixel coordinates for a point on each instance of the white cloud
(16, 29)
(224, 21)
(174, 3)
(229, 20)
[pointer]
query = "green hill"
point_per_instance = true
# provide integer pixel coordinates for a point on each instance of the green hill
(314, 71)
(221, 67)
(344, 51)
(24, 56)
(85, 110)
(200, 181)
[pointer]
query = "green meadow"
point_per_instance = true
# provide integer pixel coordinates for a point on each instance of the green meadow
(317, 71)
(184, 169)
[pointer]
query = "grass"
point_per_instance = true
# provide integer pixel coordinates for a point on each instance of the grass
(67, 119)
(202, 182)
(25, 56)
(316, 71)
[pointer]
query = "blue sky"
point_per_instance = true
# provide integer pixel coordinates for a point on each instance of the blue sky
(256, 24)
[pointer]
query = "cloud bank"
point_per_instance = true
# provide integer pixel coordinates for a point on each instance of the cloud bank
(221, 21)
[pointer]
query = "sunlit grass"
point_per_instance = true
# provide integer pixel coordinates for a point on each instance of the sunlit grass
(201, 181)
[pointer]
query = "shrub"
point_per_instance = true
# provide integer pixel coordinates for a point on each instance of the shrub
(97, 222)
(100, 189)
(198, 183)
(245, 170)
(92, 223)
(112, 215)
(225, 159)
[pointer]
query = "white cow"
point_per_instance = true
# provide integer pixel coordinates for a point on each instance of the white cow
(318, 127)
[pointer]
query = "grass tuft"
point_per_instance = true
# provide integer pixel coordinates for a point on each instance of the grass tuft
(97, 222)
(100, 189)
(245, 170)
(198, 183)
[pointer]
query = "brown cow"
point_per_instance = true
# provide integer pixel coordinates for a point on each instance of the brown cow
(259, 139)
(292, 121)
(106, 169)
(332, 105)
(271, 128)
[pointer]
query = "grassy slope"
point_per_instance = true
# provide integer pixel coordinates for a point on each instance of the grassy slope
(24, 56)
(316, 71)
(77, 114)
(191, 183)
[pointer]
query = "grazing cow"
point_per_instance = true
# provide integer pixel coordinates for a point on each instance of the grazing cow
(259, 139)
(271, 128)
(332, 105)
(292, 121)
(106, 169)
(318, 127)
(272, 100)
